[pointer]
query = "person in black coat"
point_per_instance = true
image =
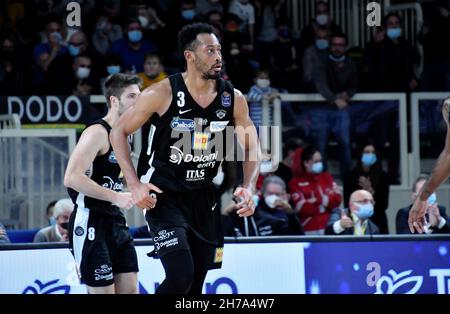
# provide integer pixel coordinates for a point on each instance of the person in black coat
(356, 219)
(436, 217)
(369, 175)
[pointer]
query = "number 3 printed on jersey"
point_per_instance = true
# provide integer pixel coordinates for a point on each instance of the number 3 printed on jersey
(180, 101)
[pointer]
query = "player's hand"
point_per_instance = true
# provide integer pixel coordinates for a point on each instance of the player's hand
(416, 220)
(246, 206)
(123, 200)
(446, 112)
(142, 196)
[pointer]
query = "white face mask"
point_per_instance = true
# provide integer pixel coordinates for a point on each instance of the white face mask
(143, 20)
(263, 83)
(270, 200)
(83, 73)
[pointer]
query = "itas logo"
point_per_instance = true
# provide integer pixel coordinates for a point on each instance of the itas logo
(200, 141)
(218, 126)
(226, 99)
(182, 124)
(195, 175)
(51, 287)
(112, 158)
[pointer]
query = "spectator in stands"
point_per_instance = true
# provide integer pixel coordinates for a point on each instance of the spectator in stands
(315, 57)
(259, 92)
(49, 213)
(322, 20)
(132, 48)
(105, 34)
(12, 80)
(79, 82)
(390, 59)
(356, 219)
(45, 53)
(3, 235)
(284, 170)
(369, 175)
(246, 13)
(153, 70)
(205, 7)
(337, 82)
(58, 232)
(313, 192)
(436, 49)
(436, 217)
(273, 214)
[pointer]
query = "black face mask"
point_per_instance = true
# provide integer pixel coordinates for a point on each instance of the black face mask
(64, 225)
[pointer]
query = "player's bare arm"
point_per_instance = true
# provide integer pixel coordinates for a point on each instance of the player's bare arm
(155, 99)
(248, 139)
(440, 173)
(93, 142)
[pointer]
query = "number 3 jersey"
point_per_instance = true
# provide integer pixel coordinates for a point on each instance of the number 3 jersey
(186, 145)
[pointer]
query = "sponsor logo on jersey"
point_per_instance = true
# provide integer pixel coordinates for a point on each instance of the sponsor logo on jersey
(221, 113)
(201, 121)
(182, 124)
(103, 273)
(195, 175)
(110, 184)
(177, 156)
(79, 231)
(163, 235)
(226, 99)
(218, 126)
(218, 255)
(184, 111)
(200, 141)
(112, 158)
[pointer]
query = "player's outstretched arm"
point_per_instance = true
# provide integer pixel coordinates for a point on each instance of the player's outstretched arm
(248, 139)
(440, 173)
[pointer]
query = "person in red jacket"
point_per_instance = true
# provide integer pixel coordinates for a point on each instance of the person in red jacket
(313, 191)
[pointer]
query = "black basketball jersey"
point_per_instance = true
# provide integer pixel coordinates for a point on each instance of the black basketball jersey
(105, 172)
(186, 145)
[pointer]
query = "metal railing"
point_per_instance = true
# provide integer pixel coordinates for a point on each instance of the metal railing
(32, 166)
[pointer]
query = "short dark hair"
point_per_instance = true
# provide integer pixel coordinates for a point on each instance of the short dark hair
(116, 83)
(322, 3)
(187, 37)
(307, 155)
(422, 177)
(339, 35)
(391, 14)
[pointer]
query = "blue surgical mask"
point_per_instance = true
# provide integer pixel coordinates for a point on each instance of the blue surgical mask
(432, 199)
(368, 159)
(52, 221)
(365, 211)
(337, 59)
(394, 33)
(135, 36)
(317, 167)
(113, 69)
(188, 14)
(74, 51)
(321, 44)
(322, 19)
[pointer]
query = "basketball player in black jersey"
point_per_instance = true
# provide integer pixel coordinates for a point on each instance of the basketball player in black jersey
(199, 107)
(99, 237)
(440, 173)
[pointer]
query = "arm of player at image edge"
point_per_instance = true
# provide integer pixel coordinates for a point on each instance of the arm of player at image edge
(440, 173)
(150, 101)
(93, 142)
(248, 139)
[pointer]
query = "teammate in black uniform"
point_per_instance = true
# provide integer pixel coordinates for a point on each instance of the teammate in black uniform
(99, 237)
(440, 173)
(201, 108)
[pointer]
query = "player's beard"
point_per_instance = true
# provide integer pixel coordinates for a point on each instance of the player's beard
(207, 74)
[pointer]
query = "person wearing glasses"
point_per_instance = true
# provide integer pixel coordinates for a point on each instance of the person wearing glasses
(356, 219)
